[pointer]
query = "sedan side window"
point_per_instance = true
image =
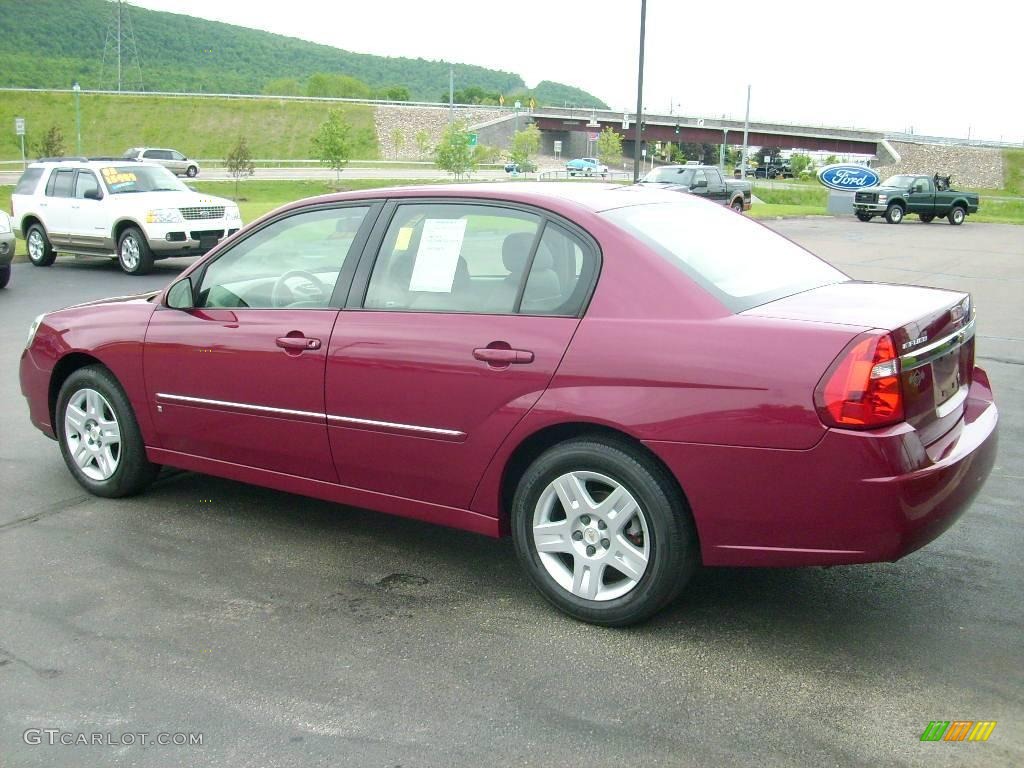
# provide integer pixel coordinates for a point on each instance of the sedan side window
(563, 271)
(293, 263)
(453, 258)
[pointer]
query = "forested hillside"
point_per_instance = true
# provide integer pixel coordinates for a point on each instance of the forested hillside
(51, 43)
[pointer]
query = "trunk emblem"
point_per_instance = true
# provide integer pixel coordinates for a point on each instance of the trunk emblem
(914, 342)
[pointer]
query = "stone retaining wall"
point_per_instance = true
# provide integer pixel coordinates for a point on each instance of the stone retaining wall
(410, 121)
(969, 166)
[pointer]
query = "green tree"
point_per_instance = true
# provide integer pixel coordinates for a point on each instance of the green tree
(423, 142)
(609, 147)
(799, 163)
(239, 162)
(831, 159)
(282, 86)
(332, 145)
(52, 143)
(525, 144)
(453, 153)
(397, 141)
(330, 85)
(394, 93)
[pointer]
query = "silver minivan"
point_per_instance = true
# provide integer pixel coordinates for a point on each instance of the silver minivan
(171, 159)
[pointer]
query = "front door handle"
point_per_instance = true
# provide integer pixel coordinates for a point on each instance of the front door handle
(503, 357)
(297, 343)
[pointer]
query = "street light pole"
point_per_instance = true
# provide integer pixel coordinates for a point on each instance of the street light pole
(78, 116)
(639, 94)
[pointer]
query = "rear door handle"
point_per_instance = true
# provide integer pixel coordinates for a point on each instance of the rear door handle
(298, 343)
(502, 357)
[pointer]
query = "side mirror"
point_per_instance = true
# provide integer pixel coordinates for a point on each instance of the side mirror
(93, 194)
(180, 296)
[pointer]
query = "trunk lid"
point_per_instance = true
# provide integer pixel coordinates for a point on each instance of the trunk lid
(933, 331)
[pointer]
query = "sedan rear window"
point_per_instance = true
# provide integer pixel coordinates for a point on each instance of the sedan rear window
(740, 262)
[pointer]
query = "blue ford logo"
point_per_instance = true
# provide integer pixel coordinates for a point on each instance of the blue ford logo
(847, 177)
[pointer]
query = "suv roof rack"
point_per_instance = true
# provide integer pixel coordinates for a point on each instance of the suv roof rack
(62, 159)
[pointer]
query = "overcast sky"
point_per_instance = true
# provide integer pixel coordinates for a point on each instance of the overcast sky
(939, 67)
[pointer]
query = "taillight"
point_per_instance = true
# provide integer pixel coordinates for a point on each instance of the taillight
(861, 390)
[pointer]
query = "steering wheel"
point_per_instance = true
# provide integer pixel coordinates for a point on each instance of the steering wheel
(313, 291)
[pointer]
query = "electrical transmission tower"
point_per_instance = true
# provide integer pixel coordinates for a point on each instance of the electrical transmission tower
(120, 45)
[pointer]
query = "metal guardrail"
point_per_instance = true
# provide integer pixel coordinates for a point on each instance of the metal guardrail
(556, 174)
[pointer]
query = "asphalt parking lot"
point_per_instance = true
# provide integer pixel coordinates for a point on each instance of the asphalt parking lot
(293, 632)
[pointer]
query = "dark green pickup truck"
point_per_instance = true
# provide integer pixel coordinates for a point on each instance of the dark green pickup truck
(927, 196)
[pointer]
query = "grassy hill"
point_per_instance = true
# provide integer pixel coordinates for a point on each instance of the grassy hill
(51, 43)
(200, 127)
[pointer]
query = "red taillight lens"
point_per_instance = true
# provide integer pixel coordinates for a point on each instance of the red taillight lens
(862, 388)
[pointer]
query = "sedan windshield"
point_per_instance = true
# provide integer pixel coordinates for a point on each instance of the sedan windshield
(123, 179)
(740, 262)
(898, 181)
(682, 176)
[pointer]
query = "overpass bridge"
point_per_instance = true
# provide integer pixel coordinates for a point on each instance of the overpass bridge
(571, 126)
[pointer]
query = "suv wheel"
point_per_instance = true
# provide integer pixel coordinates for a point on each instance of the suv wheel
(603, 532)
(192, 172)
(40, 252)
(133, 253)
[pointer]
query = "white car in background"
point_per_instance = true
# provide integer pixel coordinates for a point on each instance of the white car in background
(137, 212)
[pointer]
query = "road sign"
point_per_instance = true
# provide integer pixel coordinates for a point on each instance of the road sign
(558, 147)
(625, 121)
(19, 126)
(700, 122)
(472, 139)
(519, 105)
(593, 136)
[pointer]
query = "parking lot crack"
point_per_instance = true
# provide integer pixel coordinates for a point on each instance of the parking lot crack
(48, 511)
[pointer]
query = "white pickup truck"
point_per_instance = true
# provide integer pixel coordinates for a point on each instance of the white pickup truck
(137, 212)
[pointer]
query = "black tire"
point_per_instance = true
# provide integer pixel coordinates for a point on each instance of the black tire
(927, 218)
(737, 205)
(143, 263)
(192, 172)
(956, 215)
(47, 254)
(894, 213)
(673, 541)
(134, 471)
(864, 216)
(5, 276)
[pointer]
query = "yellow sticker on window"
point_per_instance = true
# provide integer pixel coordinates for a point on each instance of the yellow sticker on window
(404, 236)
(114, 176)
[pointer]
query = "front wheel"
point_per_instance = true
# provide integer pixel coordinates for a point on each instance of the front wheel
(894, 213)
(957, 215)
(603, 532)
(133, 252)
(40, 252)
(192, 172)
(864, 216)
(99, 436)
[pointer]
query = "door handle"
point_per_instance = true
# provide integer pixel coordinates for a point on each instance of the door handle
(503, 357)
(297, 343)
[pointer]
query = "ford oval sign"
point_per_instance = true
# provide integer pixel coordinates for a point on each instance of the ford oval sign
(847, 177)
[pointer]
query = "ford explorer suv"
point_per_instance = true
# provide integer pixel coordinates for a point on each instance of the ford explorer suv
(135, 212)
(171, 159)
(927, 196)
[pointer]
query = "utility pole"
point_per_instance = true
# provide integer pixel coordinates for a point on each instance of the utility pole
(451, 94)
(639, 94)
(118, 46)
(746, 132)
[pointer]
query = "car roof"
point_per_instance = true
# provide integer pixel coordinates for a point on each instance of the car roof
(81, 162)
(585, 196)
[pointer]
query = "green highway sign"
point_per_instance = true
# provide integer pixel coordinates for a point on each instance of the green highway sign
(472, 139)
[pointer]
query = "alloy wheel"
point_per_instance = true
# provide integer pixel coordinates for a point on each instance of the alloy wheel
(92, 434)
(35, 245)
(129, 253)
(591, 535)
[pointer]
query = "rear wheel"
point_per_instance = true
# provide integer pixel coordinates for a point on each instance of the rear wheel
(737, 205)
(603, 532)
(192, 172)
(864, 216)
(956, 215)
(894, 213)
(40, 252)
(99, 436)
(133, 253)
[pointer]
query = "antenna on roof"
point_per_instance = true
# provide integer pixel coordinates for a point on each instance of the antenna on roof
(120, 44)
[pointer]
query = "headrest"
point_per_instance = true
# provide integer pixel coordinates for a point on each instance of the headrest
(515, 250)
(543, 260)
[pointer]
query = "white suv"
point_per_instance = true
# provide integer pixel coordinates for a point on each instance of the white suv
(138, 212)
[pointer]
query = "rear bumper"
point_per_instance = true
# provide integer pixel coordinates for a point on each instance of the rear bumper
(856, 497)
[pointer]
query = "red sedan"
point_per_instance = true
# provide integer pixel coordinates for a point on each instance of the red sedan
(629, 382)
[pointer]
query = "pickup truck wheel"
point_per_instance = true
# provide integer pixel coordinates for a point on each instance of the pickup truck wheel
(956, 216)
(864, 216)
(40, 252)
(192, 172)
(737, 205)
(894, 213)
(133, 253)
(926, 218)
